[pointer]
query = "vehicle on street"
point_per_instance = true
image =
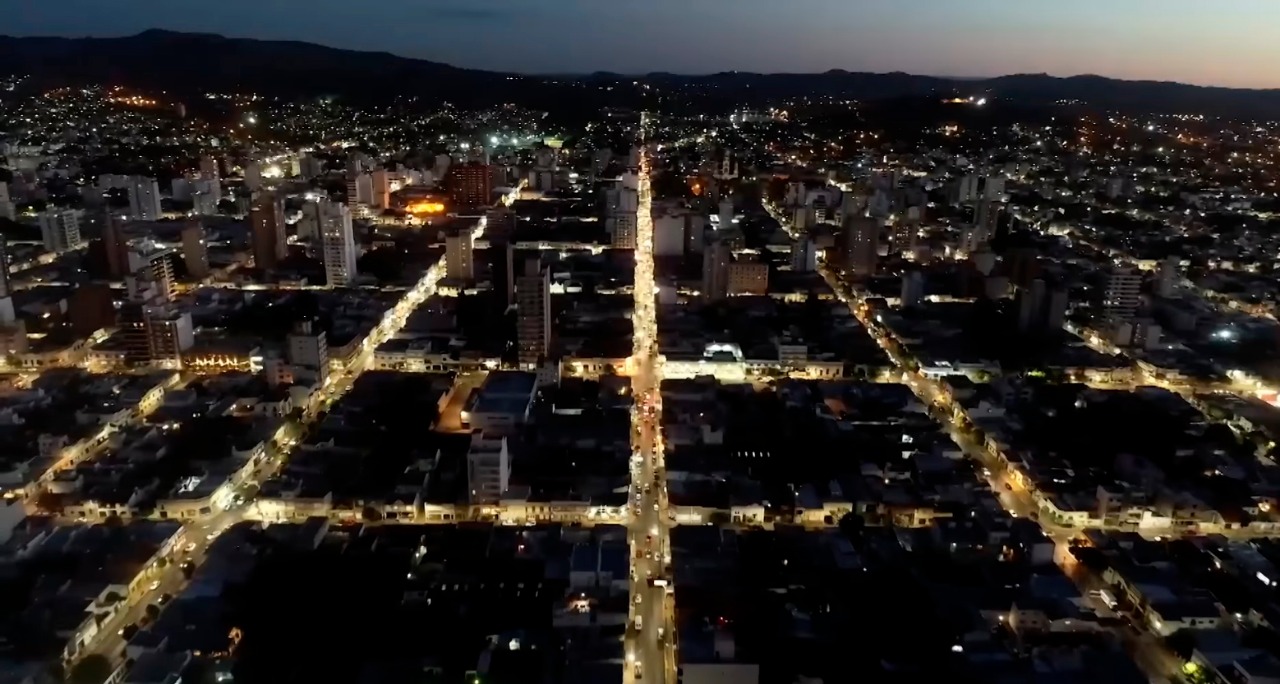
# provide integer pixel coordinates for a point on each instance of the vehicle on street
(153, 586)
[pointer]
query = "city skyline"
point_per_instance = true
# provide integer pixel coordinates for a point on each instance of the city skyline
(1223, 45)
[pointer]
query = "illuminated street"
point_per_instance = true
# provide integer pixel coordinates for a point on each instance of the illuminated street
(197, 536)
(650, 632)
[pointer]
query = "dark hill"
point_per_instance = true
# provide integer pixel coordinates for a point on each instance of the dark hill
(194, 63)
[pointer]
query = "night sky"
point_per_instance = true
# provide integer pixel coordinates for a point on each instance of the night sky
(1222, 42)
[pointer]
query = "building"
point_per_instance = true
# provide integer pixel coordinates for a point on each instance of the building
(253, 176)
(359, 189)
(115, 246)
(144, 198)
(862, 235)
(804, 255)
(620, 205)
(912, 289)
(1123, 294)
(310, 167)
(169, 335)
(5, 264)
(157, 264)
(339, 244)
(458, 260)
(715, 271)
(308, 351)
(488, 468)
(267, 231)
(60, 229)
(90, 309)
(209, 167)
(500, 226)
(8, 315)
(195, 251)
(470, 185)
(152, 330)
(748, 276)
(1167, 276)
(533, 313)
(725, 215)
(381, 188)
(7, 209)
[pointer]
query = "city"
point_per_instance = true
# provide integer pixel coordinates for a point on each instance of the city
(688, 380)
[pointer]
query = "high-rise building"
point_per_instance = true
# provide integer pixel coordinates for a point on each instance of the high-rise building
(359, 189)
(862, 234)
(1031, 303)
(488, 468)
(1122, 295)
(5, 264)
(500, 226)
(1167, 277)
(912, 289)
(204, 204)
(458, 261)
(504, 267)
(620, 204)
(1056, 309)
(748, 276)
(157, 266)
(144, 198)
(60, 229)
(308, 350)
(115, 245)
(715, 270)
(7, 210)
(153, 331)
(533, 313)
(725, 216)
(470, 185)
(381, 188)
(195, 251)
(267, 224)
(90, 308)
(310, 167)
(8, 314)
(209, 167)
(804, 255)
(253, 176)
(339, 246)
(169, 334)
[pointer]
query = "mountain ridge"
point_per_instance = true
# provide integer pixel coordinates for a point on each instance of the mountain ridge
(204, 62)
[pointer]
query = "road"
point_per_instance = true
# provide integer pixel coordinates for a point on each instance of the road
(650, 637)
(198, 535)
(1146, 651)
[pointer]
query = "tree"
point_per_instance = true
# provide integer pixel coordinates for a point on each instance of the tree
(851, 525)
(152, 611)
(49, 502)
(91, 669)
(370, 514)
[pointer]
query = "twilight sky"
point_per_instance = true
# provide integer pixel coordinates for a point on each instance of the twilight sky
(1218, 42)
